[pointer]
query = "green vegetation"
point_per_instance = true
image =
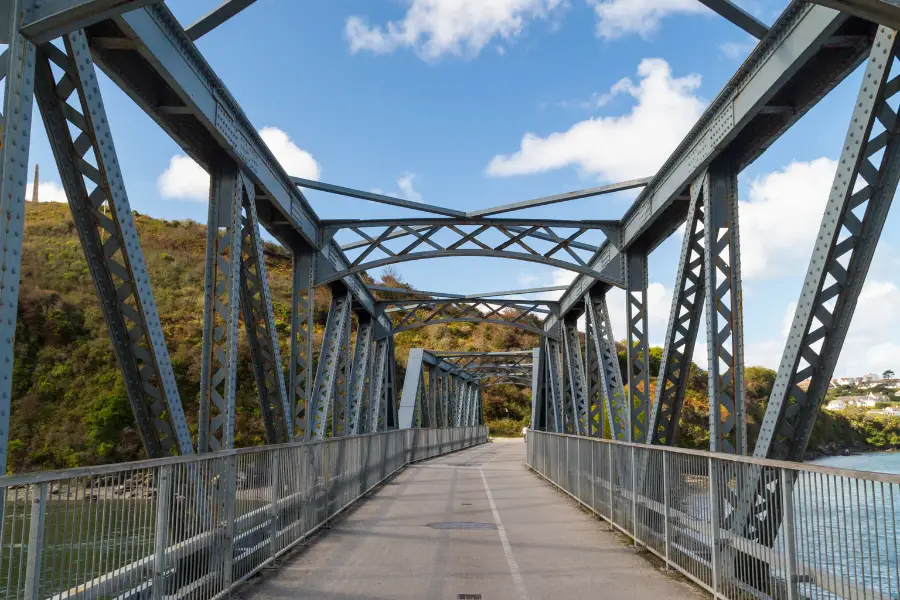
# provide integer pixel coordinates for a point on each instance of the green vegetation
(69, 402)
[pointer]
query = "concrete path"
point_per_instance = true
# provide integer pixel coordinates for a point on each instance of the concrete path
(524, 540)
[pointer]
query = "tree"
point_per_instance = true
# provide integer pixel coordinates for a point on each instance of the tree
(888, 374)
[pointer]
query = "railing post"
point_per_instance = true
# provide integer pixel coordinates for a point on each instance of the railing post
(790, 549)
(273, 507)
(714, 525)
(609, 475)
(35, 541)
(634, 524)
(665, 475)
(230, 491)
(163, 500)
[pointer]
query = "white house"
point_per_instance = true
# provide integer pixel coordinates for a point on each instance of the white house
(868, 401)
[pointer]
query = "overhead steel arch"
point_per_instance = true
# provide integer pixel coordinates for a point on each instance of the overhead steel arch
(556, 243)
(415, 314)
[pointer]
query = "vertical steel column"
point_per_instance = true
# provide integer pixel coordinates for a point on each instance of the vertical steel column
(412, 388)
(637, 346)
(35, 543)
(17, 72)
(538, 419)
(218, 378)
(340, 408)
(303, 297)
(359, 373)
(847, 238)
(607, 372)
(110, 241)
(259, 321)
(377, 387)
(329, 363)
(391, 407)
(725, 324)
(555, 386)
(577, 392)
(684, 324)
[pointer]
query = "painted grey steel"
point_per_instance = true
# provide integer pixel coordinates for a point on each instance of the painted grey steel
(94, 186)
(216, 17)
(798, 61)
(221, 303)
(137, 529)
(684, 324)
(490, 237)
(842, 520)
(886, 12)
(48, 19)
(359, 374)
(17, 64)
(377, 387)
(604, 371)
(303, 298)
(340, 403)
(520, 292)
(637, 346)
(555, 385)
(259, 321)
(321, 402)
(155, 53)
(847, 238)
(373, 197)
(578, 386)
(414, 314)
(724, 312)
(738, 16)
(597, 191)
(412, 382)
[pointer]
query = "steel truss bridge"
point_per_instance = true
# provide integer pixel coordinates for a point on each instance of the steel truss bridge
(349, 393)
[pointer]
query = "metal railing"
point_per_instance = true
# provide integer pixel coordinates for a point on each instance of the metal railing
(836, 534)
(193, 526)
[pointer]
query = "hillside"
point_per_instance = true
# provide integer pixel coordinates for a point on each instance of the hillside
(69, 404)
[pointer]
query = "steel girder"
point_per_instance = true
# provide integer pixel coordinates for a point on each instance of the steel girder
(806, 52)
(413, 314)
(218, 377)
(17, 64)
(110, 241)
(360, 374)
(886, 12)
(259, 320)
(328, 371)
(684, 324)
(437, 393)
(413, 390)
(303, 297)
(339, 408)
(377, 386)
(604, 371)
(851, 226)
(577, 391)
(147, 53)
(49, 19)
(555, 243)
(637, 346)
(724, 312)
(219, 15)
(555, 385)
(850, 229)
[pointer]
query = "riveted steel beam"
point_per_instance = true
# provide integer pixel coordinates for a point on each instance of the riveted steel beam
(259, 321)
(555, 385)
(413, 383)
(638, 347)
(577, 391)
(724, 312)
(684, 324)
(414, 314)
(216, 17)
(18, 70)
(49, 19)
(360, 374)
(738, 16)
(328, 370)
(604, 371)
(886, 12)
(106, 228)
(303, 297)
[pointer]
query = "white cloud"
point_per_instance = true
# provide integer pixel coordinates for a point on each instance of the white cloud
(780, 221)
(186, 180)
(737, 50)
(617, 148)
(616, 18)
(48, 191)
(437, 27)
(294, 160)
(405, 181)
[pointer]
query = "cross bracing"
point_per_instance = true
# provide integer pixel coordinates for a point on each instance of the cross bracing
(349, 387)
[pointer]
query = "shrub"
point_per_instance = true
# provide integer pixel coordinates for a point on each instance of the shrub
(506, 428)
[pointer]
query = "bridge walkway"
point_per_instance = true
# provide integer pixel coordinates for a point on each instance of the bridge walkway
(522, 540)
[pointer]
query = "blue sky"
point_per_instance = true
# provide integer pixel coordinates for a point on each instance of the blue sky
(431, 100)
